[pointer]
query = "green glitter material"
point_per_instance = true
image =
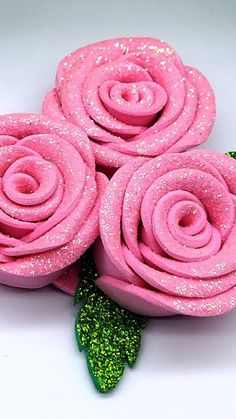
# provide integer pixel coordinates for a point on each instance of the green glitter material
(109, 334)
(231, 154)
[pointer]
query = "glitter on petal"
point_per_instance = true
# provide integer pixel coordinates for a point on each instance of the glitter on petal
(168, 235)
(49, 198)
(133, 97)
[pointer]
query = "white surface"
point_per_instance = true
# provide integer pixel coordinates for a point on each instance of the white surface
(187, 367)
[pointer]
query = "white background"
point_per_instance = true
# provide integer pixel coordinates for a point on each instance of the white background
(187, 367)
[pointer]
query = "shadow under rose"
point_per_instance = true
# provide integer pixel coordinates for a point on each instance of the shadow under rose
(186, 343)
(40, 307)
(169, 345)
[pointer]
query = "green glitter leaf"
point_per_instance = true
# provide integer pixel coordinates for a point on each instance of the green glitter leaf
(109, 335)
(231, 154)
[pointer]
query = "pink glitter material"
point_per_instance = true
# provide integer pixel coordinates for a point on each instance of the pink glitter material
(168, 234)
(133, 97)
(49, 198)
(69, 280)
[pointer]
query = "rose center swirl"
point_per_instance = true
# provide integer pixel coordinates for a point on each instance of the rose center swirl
(182, 229)
(30, 181)
(133, 103)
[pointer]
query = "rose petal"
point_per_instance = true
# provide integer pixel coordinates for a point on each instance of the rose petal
(48, 185)
(151, 303)
(41, 269)
(177, 235)
(133, 97)
(69, 280)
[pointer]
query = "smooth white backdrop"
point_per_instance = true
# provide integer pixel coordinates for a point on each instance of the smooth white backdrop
(187, 367)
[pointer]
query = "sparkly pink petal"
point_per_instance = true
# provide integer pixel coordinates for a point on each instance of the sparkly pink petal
(7, 140)
(38, 270)
(214, 196)
(49, 199)
(122, 46)
(155, 141)
(225, 165)
(52, 106)
(70, 164)
(133, 97)
(69, 280)
(152, 303)
(34, 212)
(167, 75)
(141, 181)
(5, 259)
(108, 158)
(205, 115)
(170, 221)
(65, 230)
(21, 125)
(217, 265)
(133, 103)
(206, 246)
(121, 73)
(15, 228)
(110, 216)
(177, 285)
(30, 181)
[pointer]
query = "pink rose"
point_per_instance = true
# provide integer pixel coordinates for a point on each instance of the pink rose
(49, 198)
(168, 231)
(133, 97)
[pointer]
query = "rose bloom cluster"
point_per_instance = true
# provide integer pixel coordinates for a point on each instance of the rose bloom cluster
(102, 166)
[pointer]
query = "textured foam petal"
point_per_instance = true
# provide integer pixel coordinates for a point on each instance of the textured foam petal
(151, 303)
(133, 97)
(69, 280)
(174, 226)
(49, 199)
